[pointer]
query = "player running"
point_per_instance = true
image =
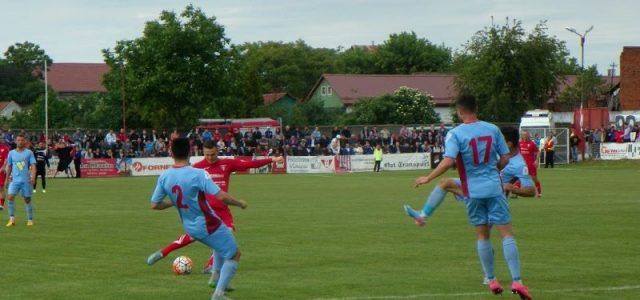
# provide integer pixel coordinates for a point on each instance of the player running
(220, 171)
(186, 188)
(475, 146)
(21, 169)
(531, 155)
(4, 153)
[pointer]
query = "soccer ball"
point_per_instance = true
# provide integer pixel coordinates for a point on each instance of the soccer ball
(182, 265)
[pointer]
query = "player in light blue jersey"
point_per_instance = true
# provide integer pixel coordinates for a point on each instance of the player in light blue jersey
(21, 172)
(479, 150)
(186, 187)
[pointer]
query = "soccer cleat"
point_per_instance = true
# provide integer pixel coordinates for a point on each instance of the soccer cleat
(495, 287)
(11, 222)
(154, 257)
(44, 191)
(485, 281)
(417, 216)
(34, 191)
(30, 223)
(1, 207)
(520, 290)
(207, 269)
(214, 297)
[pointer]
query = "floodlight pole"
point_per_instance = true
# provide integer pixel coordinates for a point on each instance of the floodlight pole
(582, 40)
(46, 105)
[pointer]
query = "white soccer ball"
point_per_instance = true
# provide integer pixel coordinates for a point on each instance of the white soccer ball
(182, 265)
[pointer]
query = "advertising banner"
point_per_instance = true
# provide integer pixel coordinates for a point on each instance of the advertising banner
(311, 164)
(98, 167)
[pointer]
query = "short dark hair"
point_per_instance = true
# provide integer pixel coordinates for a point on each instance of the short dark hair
(210, 144)
(467, 102)
(20, 135)
(180, 148)
(511, 134)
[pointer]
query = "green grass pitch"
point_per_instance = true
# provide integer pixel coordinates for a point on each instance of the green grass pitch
(329, 237)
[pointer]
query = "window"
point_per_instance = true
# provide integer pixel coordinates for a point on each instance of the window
(323, 91)
(329, 91)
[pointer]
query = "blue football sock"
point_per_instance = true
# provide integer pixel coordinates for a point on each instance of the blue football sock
(218, 261)
(226, 274)
(510, 250)
(12, 208)
(29, 211)
(435, 198)
(485, 252)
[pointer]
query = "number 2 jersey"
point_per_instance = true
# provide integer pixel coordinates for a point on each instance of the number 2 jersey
(186, 187)
(476, 148)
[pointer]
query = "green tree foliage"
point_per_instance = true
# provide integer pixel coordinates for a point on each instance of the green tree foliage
(20, 76)
(404, 106)
(510, 71)
(590, 82)
(405, 53)
(178, 71)
(27, 56)
(284, 67)
(359, 60)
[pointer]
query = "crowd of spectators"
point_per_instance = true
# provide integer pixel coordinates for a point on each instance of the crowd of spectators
(295, 141)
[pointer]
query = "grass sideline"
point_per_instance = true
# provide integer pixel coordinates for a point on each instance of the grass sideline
(319, 236)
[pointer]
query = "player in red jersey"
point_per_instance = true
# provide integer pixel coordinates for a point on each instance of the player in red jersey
(530, 153)
(4, 152)
(220, 171)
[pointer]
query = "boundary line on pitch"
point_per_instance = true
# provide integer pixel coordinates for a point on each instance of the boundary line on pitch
(416, 296)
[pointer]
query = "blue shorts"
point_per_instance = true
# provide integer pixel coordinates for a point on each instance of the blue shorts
(222, 241)
(23, 187)
(484, 211)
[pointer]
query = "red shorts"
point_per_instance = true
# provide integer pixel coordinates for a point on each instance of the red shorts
(222, 211)
(533, 169)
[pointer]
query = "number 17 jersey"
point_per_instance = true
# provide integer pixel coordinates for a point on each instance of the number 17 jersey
(186, 187)
(476, 148)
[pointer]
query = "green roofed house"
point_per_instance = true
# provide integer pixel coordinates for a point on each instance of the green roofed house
(341, 91)
(280, 100)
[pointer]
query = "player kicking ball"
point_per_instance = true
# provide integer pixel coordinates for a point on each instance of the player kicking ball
(21, 172)
(220, 171)
(475, 146)
(186, 188)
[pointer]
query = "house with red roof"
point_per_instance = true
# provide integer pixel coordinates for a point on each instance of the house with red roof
(69, 79)
(343, 90)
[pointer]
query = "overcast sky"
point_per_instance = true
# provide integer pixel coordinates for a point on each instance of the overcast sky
(76, 31)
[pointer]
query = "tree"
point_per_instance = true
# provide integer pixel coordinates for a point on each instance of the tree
(180, 68)
(405, 53)
(284, 67)
(20, 79)
(359, 60)
(591, 84)
(27, 56)
(404, 106)
(510, 71)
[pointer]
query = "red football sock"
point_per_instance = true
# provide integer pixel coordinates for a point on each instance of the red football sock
(1, 201)
(210, 262)
(539, 188)
(182, 241)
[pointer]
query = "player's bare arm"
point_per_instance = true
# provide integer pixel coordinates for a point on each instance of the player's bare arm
(161, 205)
(32, 174)
(504, 160)
(444, 165)
(520, 191)
(230, 200)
